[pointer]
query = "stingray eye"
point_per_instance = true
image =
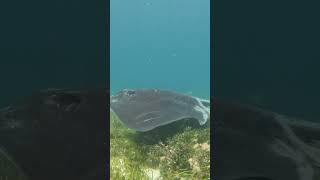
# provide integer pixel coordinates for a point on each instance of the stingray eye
(67, 99)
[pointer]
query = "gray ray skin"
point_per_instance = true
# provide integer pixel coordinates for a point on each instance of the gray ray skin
(57, 132)
(146, 109)
(252, 142)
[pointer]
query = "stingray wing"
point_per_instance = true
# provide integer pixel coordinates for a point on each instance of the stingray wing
(251, 142)
(146, 109)
(306, 130)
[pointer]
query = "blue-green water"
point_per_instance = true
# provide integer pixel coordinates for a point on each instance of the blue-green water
(160, 44)
(268, 54)
(51, 45)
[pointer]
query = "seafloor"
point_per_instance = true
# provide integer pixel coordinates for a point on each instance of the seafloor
(184, 154)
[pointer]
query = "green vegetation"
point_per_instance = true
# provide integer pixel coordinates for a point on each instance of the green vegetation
(8, 171)
(159, 154)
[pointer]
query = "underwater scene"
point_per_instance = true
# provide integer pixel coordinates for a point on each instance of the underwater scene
(266, 90)
(52, 54)
(160, 89)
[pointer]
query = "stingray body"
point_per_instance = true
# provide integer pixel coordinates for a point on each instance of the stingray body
(248, 142)
(146, 109)
(57, 134)
(253, 143)
(60, 134)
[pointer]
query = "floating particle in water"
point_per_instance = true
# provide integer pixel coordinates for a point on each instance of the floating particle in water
(147, 3)
(173, 54)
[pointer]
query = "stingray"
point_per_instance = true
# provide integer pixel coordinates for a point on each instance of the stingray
(57, 134)
(248, 142)
(146, 109)
(253, 143)
(61, 133)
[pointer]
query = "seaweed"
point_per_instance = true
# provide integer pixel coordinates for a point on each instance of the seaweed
(184, 154)
(8, 170)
